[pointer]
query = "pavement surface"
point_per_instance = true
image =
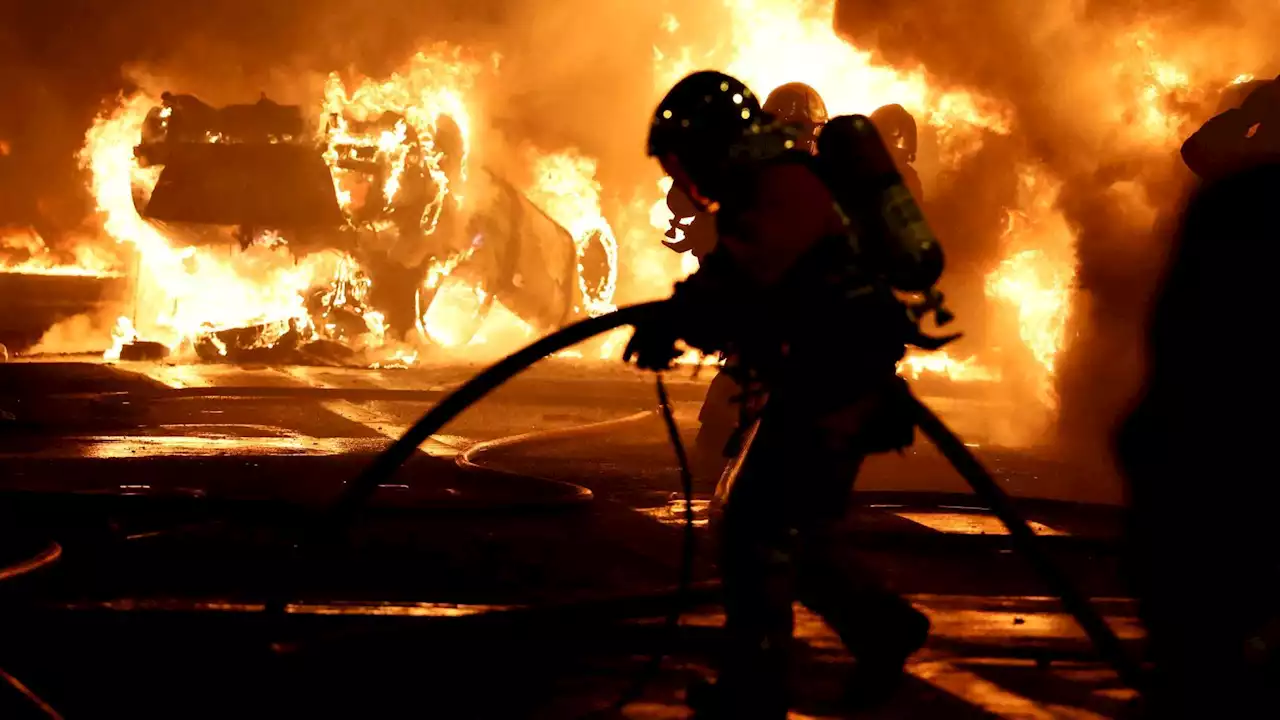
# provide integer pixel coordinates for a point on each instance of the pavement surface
(517, 567)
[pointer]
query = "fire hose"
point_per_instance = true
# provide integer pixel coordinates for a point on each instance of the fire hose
(361, 488)
(1025, 540)
(44, 558)
(687, 553)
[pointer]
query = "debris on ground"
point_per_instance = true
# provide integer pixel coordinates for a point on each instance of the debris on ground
(140, 350)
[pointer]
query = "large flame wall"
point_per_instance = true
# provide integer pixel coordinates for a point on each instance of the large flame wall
(1050, 136)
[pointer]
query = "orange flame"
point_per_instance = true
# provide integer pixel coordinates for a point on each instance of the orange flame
(432, 86)
(22, 250)
(565, 187)
(191, 292)
(186, 292)
(1037, 274)
(122, 334)
(773, 42)
(917, 365)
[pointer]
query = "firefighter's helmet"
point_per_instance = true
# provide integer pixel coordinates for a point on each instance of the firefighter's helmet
(898, 128)
(796, 103)
(801, 107)
(706, 107)
(699, 126)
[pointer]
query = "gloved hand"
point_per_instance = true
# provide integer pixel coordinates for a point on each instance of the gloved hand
(653, 344)
(701, 311)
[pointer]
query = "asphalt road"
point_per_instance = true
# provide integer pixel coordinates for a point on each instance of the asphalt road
(556, 491)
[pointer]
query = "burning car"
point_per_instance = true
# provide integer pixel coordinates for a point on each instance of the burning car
(250, 167)
(378, 189)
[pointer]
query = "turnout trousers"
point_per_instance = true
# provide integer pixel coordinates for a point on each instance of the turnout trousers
(781, 502)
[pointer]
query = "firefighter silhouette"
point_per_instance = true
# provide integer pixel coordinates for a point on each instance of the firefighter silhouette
(898, 128)
(801, 109)
(1205, 573)
(818, 402)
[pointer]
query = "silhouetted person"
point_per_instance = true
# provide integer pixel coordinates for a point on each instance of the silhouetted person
(802, 109)
(1199, 452)
(898, 128)
(786, 270)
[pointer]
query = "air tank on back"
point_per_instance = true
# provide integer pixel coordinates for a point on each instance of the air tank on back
(891, 230)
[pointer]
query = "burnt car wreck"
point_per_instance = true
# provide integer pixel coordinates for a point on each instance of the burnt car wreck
(373, 190)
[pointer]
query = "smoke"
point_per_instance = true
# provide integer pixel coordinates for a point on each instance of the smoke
(579, 74)
(1070, 68)
(87, 333)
